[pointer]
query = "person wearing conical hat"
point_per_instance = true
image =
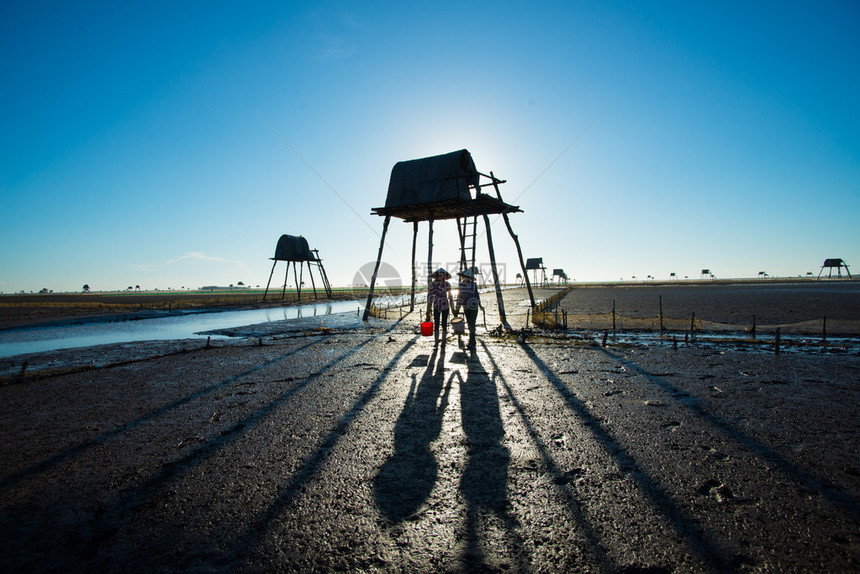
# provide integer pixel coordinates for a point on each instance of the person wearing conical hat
(469, 299)
(441, 300)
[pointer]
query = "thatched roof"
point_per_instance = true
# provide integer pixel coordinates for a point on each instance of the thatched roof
(293, 248)
(534, 263)
(439, 187)
(430, 179)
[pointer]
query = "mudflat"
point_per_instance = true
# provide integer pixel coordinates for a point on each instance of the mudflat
(367, 447)
(799, 306)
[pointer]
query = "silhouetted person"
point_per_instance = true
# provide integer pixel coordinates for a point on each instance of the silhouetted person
(470, 301)
(440, 298)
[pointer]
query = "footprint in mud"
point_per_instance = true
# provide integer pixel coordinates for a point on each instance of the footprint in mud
(613, 393)
(671, 425)
(706, 487)
(569, 476)
(721, 492)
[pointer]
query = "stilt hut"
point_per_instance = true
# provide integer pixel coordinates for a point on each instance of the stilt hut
(446, 187)
(295, 249)
(837, 263)
(535, 264)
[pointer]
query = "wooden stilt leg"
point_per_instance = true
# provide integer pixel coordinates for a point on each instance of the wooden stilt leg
(376, 268)
(325, 280)
(414, 239)
(495, 271)
(311, 274)
(298, 284)
(516, 242)
(461, 232)
(429, 266)
(286, 278)
(270, 279)
(520, 255)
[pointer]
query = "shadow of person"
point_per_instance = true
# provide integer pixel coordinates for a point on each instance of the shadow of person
(406, 479)
(484, 480)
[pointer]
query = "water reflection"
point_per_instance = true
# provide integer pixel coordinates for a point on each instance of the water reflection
(186, 325)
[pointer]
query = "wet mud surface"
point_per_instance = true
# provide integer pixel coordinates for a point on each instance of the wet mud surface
(369, 448)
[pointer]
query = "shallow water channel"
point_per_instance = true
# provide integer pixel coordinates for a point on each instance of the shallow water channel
(175, 325)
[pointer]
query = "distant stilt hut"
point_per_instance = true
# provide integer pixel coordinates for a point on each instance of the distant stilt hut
(536, 264)
(294, 249)
(562, 276)
(440, 188)
(838, 263)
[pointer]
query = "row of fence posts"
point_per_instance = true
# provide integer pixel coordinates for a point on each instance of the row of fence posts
(691, 334)
(561, 320)
(382, 312)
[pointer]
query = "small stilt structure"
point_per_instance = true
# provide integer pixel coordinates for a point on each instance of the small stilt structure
(294, 249)
(837, 263)
(441, 188)
(536, 264)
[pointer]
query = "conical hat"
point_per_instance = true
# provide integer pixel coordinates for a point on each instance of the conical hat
(467, 273)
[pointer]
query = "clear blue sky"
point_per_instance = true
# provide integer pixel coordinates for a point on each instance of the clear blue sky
(169, 145)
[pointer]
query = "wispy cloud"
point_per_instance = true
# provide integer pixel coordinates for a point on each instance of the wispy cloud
(200, 256)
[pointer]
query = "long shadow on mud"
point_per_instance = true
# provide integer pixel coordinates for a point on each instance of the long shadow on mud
(845, 502)
(485, 479)
(710, 551)
(248, 542)
(560, 478)
(406, 479)
(78, 449)
(93, 532)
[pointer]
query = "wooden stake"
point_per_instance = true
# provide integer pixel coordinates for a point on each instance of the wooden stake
(661, 315)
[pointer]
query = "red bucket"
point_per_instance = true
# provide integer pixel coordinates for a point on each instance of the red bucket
(427, 328)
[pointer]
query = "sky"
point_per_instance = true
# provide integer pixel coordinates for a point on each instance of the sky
(169, 145)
